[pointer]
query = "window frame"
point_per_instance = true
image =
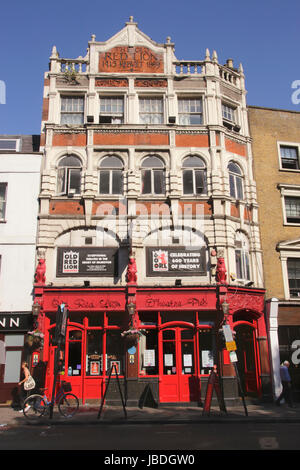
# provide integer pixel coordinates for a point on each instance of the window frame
(111, 170)
(3, 202)
(244, 257)
(17, 145)
(65, 172)
(152, 170)
(235, 177)
(296, 145)
(289, 191)
(189, 113)
(152, 113)
(194, 169)
(73, 113)
(288, 250)
(107, 117)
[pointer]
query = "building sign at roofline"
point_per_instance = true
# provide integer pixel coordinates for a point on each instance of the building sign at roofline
(135, 59)
(15, 322)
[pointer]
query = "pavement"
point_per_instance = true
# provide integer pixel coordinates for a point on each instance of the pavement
(88, 414)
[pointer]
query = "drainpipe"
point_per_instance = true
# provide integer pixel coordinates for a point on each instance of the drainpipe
(272, 326)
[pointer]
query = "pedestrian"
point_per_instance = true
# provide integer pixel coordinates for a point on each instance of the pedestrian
(286, 385)
(25, 376)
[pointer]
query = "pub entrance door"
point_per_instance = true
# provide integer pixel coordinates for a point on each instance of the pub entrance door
(178, 378)
(248, 361)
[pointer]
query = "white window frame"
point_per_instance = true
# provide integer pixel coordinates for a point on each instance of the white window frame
(288, 190)
(3, 202)
(77, 113)
(17, 145)
(245, 259)
(292, 145)
(190, 113)
(152, 170)
(152, 113)
(65, 172)
(111, 170)
(113, 117)
(234, 177)
(288, 251)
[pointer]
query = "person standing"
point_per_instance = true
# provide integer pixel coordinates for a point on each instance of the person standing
(26, 375)
(286, 385)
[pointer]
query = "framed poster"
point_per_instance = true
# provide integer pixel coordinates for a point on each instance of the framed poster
(82, 261)
(175, 261)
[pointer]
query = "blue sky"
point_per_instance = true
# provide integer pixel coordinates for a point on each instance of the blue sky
(263, 35)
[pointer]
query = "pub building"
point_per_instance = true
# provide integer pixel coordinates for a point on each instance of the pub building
(148, 230)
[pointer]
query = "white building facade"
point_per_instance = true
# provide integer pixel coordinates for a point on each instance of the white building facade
(20, 166)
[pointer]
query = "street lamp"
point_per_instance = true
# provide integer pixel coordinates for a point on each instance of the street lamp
(36, 309)
(131, 308)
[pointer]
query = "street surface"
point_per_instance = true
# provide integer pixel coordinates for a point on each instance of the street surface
(147, 437)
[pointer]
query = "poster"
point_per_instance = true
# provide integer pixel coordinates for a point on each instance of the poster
(149, 358)
(168, 360)
(81, 261)
(207, 358)
(172, 261)
(187, 360)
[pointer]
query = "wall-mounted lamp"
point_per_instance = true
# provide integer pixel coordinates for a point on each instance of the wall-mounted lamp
(225, 307)
(131, 308)
(36, 309)
(178, 282)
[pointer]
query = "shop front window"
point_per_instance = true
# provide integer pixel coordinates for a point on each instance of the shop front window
(74, 353)
(114, 352)
(94, 357)
(206, 351)
(148, 349)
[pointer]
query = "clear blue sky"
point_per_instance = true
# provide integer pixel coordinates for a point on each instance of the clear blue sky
(262, 34)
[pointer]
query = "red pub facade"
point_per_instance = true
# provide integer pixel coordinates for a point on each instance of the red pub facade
(148, 224)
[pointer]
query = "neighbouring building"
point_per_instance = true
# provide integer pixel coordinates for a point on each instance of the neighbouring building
(20, 167)
(148, 223)
(276, 155)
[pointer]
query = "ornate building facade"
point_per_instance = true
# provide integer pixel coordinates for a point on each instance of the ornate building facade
(148, 226)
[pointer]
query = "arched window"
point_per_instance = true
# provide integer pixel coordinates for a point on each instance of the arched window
(69, 175)
(111, 175)
(153, 175)
(194, 175)
(235, 181)
(242, 263)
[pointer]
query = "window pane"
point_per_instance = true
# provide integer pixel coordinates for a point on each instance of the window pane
(12, 366)
(188, 182)
(75, 180)
(232, 186)
(152, 162)
(289, 157)
(148, 349)
(200, 182)
(117, 182)
(3, 187)
(159, 187)
(61, 181)
(206, 351)
(292, 207)
(104, 181)
(146, 181)
(293, 265)
(239, 187)
(94, 352)
(111, 162)
(114, 351)
(238, 264)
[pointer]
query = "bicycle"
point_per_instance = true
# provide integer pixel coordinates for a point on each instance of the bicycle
(36, 405)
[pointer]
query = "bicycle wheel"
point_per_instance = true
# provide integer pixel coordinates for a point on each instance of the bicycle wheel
(34, 407)
(68, 405)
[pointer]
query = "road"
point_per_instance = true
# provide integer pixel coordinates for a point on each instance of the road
(147, 437)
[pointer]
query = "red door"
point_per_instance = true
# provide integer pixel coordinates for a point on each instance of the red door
(74, 359)
(178, 365)
(247, 358)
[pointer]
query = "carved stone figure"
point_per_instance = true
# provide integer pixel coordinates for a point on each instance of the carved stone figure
(40, 272)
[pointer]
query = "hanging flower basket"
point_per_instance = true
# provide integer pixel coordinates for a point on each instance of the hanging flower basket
(132, 335)
(34, 339)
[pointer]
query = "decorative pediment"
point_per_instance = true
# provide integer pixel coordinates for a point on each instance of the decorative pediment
(129, 50)
(289, 245)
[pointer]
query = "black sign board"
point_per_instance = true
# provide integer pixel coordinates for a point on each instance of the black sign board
(15, 321)
(82, 261)
(175, 261)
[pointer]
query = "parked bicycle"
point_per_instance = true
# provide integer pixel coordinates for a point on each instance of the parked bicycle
(36, 406)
